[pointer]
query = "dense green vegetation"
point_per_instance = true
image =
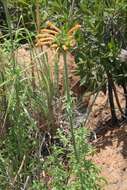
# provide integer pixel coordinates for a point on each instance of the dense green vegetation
(35, 151)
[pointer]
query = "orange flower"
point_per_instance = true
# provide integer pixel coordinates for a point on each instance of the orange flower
(75, 28)
(55, 38)
(52, 26)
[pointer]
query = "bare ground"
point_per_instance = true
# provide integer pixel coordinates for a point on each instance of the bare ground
(110, 143)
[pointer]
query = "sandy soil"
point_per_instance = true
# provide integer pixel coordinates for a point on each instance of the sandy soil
(110, 143)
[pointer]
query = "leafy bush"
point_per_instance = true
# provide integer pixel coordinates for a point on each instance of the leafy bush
(100, 43)
(62, 168)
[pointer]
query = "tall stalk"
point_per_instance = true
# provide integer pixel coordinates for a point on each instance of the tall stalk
(56, 73)
(71, 10)
(70, 114)
(117, 98)
(115, 93)
(125, 94)
(4, 92)
(111, 100)
(37, 15)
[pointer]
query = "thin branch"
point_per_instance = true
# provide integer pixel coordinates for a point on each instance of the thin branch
(20, 168)
(26, 183)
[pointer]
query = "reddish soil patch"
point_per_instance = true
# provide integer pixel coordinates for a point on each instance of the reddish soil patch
(30, 60)
(111, 144)
(112, 157)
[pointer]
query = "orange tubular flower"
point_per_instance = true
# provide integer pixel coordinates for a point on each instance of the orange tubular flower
(43, 31)
(45, 35)
(48, 36)
(52, 26)
(75, 28)
(38, 44)
(46, 39)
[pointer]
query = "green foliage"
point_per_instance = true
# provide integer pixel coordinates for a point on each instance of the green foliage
(37, 186)
(18, 142)
(101, 40)
(45, 93)
(63, 13)
(67, 175)
(20, 127)
(29, 105)
(24, 14)
(22, 141)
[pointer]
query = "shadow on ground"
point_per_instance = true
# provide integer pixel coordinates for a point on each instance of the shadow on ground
(108, 134)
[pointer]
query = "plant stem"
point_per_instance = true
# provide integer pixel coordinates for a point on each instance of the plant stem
(56, 73)
(4, 102)
(125, 94)
(115, 93)
(69, 112)
(71, 10)
(117, 99)
(111, 101)
(32, 72)
(38, 16)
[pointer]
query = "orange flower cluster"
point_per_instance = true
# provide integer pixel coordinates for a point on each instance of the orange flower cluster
(50, 35)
